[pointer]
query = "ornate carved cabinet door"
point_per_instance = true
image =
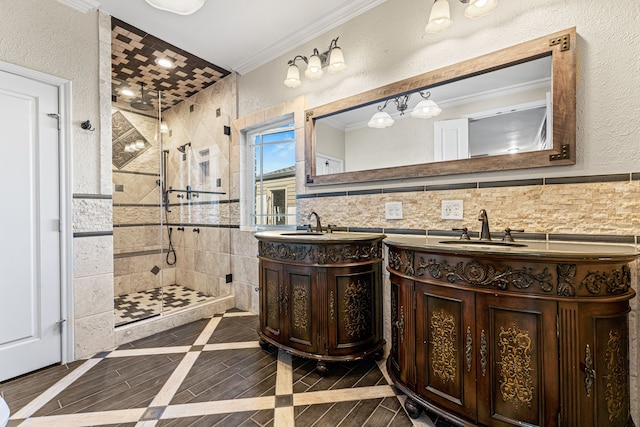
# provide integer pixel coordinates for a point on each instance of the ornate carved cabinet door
(299, 316)
(402, 330)
(271, 296)
(517, 361)
(354, 306)
(603, 381)
(446, 341)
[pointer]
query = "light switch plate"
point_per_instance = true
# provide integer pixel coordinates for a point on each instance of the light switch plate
(393, 210)
(452, 209)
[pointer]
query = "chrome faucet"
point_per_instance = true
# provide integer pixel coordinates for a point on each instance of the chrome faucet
(318, 225)
(485, 234)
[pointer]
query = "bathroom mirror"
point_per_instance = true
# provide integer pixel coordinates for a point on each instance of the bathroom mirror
(510, 109)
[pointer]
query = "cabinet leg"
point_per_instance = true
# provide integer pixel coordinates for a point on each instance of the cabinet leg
(322, 367)
(413, 408)
(265, 345)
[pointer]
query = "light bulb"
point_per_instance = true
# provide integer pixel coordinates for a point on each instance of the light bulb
(479, 8)
(336, 61)
(314, 68)
(380, 120)
(293, 77)
(440, 17)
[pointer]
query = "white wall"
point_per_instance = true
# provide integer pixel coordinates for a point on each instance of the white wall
(388, 43)
(52, 38)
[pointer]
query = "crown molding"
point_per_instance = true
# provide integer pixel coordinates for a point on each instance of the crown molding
(321, 26)
(83, 6)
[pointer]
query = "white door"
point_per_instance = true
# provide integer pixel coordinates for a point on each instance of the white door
(30, 284)
(451, 139)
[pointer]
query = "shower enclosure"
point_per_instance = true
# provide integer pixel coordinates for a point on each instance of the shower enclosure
(170, 202)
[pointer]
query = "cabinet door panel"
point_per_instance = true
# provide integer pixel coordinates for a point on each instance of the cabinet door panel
(402, 330)
(270, 299)
(445, 336)
(604, 374)
(354, 308)
(298, 315)
(518, 369)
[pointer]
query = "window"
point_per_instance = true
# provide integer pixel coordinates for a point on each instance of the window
(273, 183)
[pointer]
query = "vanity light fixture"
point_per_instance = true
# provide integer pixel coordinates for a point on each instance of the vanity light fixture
(440, 16)
(423, 110)
(180, 7)
(332, 59)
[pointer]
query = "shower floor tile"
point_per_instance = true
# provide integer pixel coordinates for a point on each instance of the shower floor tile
(141, 305)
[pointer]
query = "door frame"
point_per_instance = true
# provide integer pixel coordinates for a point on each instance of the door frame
(66, 205)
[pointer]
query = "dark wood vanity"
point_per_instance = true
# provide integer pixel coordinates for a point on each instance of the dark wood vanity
(321, 294)
(503, 336)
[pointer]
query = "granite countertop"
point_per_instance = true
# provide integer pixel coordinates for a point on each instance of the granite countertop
(602, 251)
(314, 237)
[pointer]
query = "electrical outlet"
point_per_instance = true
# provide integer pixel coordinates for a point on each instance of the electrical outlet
(452, 209)
(393, 210)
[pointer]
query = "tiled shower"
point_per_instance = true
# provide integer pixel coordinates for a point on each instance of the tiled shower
(171, 207)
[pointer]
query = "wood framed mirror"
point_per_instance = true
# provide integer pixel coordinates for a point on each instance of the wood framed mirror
(527, 91)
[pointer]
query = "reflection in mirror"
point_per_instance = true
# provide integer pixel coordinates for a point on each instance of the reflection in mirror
(499, 112)
(511, 109)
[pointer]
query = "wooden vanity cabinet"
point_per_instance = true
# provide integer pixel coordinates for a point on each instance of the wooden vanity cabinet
(322, 300)
(511, 340)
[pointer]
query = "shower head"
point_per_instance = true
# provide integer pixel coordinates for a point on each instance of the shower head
(183, 148)
(142, 103)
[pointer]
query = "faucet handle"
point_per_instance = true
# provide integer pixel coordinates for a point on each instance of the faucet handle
(507, 234)
(465, 233)
(329, 227)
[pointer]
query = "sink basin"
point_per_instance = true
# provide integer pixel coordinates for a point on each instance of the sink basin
(303, 233)
(482, 243)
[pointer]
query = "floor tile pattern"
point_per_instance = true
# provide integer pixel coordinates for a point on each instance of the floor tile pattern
(142, 305)
(211, 372)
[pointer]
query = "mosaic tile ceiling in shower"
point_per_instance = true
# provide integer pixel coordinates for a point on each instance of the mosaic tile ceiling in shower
(133, 61)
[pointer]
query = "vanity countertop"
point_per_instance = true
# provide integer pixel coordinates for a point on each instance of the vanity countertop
(314, 237)
(526, 248)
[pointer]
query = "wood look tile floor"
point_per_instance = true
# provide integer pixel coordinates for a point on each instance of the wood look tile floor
(208, 373)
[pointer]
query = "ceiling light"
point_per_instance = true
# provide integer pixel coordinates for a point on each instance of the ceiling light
(181, 7)
(164, 62)
(332, 59)
(440, 16)
(127, 92)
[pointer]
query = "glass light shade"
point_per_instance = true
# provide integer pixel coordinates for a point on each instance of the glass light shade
(336, 61)
(127, 92)
(181, 7)
(425, 109)
(139, 144)
(314, 68)
(380, 120)
(440, 17)
(164, 128)
(293, 76)
(479, 8)
(164, 62)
